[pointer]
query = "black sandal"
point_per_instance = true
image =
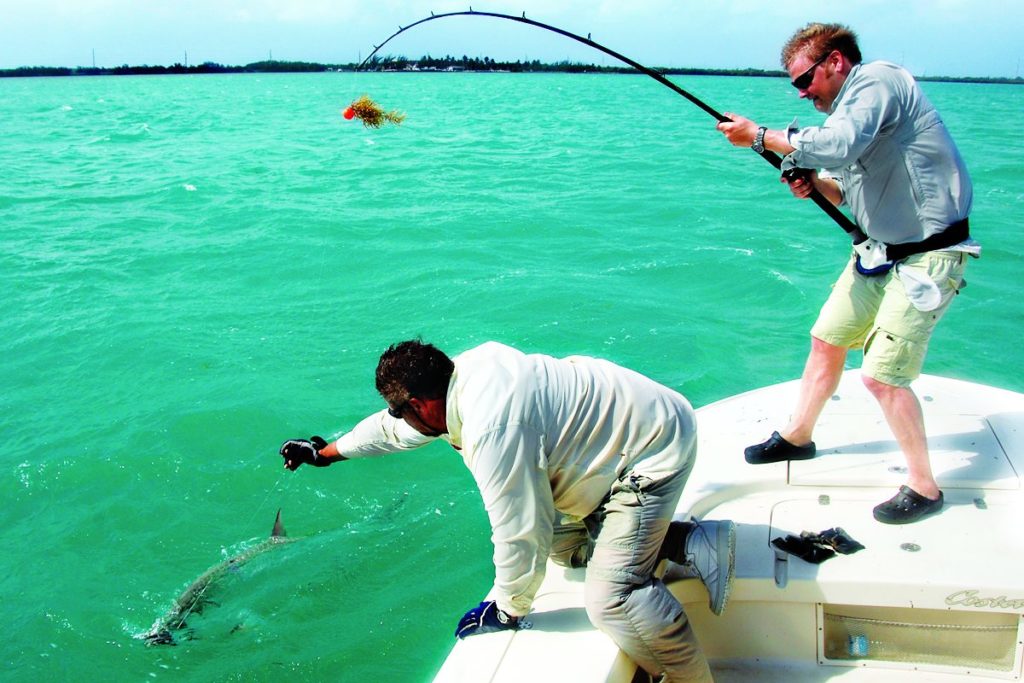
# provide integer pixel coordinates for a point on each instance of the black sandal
(777, 449)
(907, 506)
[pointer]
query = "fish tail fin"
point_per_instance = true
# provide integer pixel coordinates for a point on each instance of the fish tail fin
(160, 636)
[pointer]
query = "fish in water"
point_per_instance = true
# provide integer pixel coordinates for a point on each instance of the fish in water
(193, 599)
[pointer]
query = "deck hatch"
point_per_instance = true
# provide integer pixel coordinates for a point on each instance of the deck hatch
(966, 453)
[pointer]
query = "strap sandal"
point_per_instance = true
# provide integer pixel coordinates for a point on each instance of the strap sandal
(777, 449)
(906, 507)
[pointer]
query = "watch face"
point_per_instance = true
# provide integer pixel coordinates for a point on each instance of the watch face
(758, 145)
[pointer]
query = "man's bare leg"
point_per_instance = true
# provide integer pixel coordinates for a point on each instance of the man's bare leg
(821, 376)
(903, 413)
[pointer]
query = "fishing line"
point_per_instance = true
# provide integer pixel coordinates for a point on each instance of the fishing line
(774, 159)
(276, 488)
(277, 485)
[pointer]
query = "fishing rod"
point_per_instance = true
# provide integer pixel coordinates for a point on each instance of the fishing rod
(774, 159)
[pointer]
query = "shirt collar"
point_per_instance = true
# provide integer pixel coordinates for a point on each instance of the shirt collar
(842, 91)
(453, 416)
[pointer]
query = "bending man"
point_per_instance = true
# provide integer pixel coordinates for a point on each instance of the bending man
(888, 156)
(579, 460)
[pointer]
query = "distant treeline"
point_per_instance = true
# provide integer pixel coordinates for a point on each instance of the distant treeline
(204, 68)
(449, 63)
(423, 64)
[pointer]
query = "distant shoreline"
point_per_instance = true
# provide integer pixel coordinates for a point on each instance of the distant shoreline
(425, 64)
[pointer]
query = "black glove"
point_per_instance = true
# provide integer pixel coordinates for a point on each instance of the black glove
(485, 618)
(816, 548)
(841, 541)
(794, 174)
(300, 451)
(804, 548)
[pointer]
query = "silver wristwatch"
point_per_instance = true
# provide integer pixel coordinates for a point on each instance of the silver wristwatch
(758, 145)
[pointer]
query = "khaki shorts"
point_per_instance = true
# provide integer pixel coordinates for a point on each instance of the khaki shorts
(874, 313)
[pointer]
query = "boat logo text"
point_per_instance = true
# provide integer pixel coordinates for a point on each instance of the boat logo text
(971, 599)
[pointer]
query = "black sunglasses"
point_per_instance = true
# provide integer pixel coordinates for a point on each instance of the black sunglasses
(396, 412)
(803, 81)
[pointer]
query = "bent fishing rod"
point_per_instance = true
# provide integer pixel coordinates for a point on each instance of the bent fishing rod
(774, 159)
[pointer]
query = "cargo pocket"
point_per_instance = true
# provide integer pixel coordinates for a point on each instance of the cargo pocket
(892, 359)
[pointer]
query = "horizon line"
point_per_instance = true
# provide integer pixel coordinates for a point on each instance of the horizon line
(561, 65)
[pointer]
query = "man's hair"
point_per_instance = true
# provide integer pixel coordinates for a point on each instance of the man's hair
(413, 369)
(818, 40)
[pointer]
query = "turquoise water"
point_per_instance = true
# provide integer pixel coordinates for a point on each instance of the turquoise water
(196, 268)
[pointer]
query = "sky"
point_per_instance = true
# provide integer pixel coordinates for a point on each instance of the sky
(929, 37)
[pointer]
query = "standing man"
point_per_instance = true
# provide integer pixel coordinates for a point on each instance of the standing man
(579, 460)
(887, 155)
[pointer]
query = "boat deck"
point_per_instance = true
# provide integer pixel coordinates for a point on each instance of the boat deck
(947, 579)
(976, 440)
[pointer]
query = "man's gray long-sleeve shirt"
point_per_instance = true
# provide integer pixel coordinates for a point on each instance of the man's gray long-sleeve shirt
(883, 141)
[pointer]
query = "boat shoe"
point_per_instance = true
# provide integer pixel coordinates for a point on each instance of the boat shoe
(710, 551)
(907, 506)
(777, 449)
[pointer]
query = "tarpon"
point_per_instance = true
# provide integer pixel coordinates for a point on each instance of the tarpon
(193, 599)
